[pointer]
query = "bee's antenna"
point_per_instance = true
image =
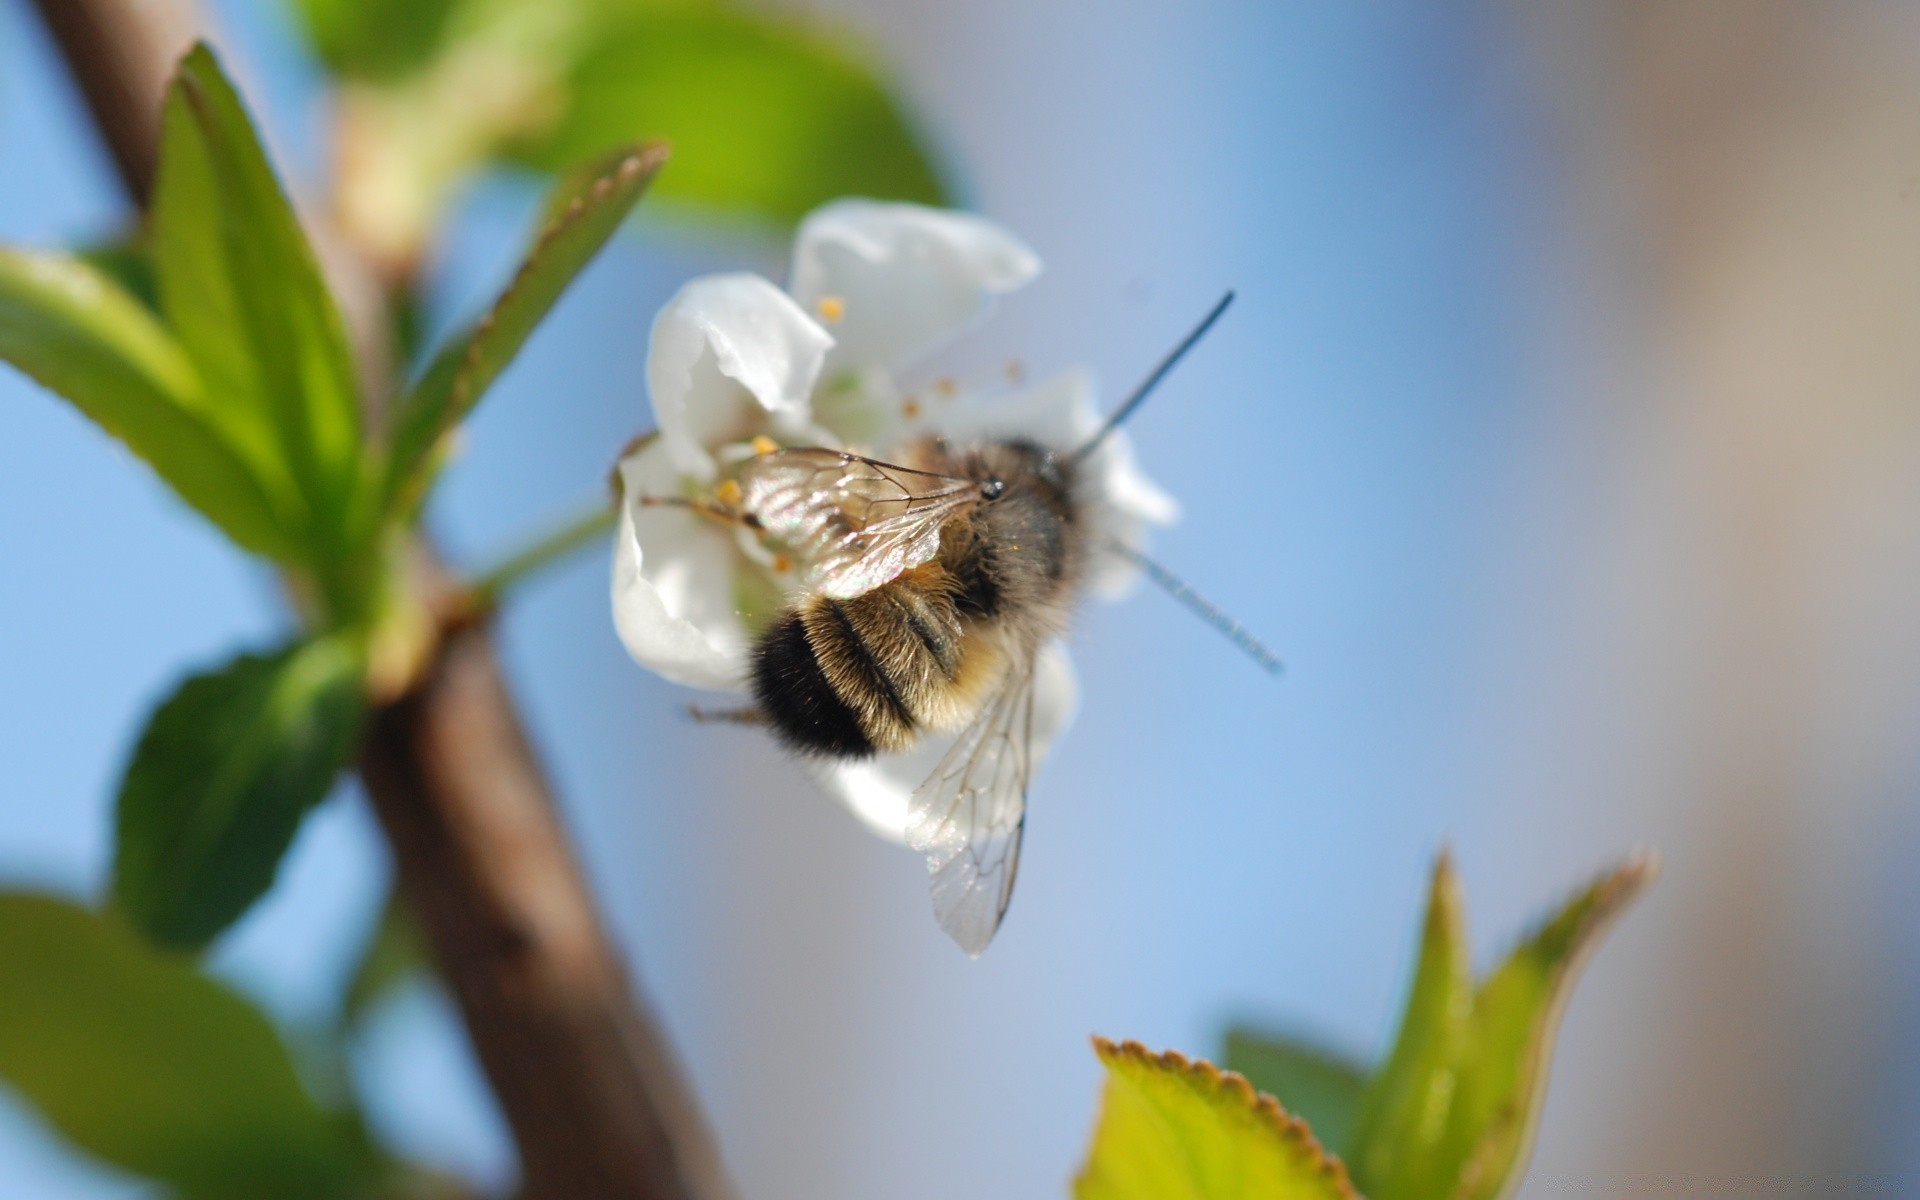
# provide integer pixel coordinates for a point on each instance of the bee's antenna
(1153, 380)
(1203, 608)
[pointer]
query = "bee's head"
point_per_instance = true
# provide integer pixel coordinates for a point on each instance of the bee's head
(1021, 466)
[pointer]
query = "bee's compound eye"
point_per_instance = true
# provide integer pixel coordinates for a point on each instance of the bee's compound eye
(992, 488)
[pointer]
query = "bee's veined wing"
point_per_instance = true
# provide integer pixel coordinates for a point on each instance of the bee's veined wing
(854, 522)
(968, 817)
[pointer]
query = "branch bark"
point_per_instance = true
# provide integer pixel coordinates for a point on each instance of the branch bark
(595, 1103)
(597, 1107)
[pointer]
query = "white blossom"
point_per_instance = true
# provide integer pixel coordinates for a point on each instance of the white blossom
(833, 361)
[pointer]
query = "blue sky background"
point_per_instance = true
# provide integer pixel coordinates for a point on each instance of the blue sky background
(1400, 462)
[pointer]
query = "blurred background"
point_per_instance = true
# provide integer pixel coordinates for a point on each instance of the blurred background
(1565, 441)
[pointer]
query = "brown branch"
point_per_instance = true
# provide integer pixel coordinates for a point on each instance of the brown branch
(597, 1107)
(121, 53)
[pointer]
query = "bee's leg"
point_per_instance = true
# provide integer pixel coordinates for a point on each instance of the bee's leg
(726, 716)
(706, 508)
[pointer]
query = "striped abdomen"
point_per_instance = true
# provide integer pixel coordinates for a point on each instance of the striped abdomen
(848, 678)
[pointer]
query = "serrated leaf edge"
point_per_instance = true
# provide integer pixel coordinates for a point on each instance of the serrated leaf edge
(636, 164)
(1239, 1088)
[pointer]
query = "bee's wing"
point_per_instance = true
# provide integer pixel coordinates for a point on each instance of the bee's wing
(968, 816)
(855, 522)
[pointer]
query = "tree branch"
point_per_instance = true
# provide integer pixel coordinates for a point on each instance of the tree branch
(597, 1106)
(121, 53)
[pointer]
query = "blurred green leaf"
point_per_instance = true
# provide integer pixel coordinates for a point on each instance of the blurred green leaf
(766, 117)
(127, 261)
(395, 952)
(1403, 1112)
(221, 779)
(1452, 1112)
(77, 332)
(1174, 1129)
(1320, 1087)
(240, 287)
(769, 115)
(139, 1060)
(467, 366)
(377, 39)
(1516, 1009)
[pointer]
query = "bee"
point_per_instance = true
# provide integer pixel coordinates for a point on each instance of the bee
(932, 585)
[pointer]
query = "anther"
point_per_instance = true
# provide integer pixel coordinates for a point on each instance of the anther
(728, 493)
(762, 444)
(831, 309)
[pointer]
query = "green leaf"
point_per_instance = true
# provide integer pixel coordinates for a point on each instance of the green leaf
(377, 39)
(395, 953)
(766, 116)
(464, 369)
(142, 1062)
(126, 260)
(1320, 1087)
(77, 332)
(1171, 1129)
(221, 778)
(769, 116)
(240, 287)
(1452, 1112)
(1403, 1112)
(1516, 1010)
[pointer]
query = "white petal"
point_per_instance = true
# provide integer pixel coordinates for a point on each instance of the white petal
(895, 280)
(878, 790)
(1060, 414)
(729, 353)
(673, 582)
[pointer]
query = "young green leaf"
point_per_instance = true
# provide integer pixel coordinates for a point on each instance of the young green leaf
(1318, 1086)
(137, 1059)
(1451, 1113)
(81, 335)
(464, 369)
(241, 288)
(1173, 1129)
(1503, 1074)
(221, 779)
(767, 117)
(1403, 1111)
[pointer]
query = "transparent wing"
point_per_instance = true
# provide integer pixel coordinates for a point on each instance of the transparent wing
(968, 816)
(853, 522)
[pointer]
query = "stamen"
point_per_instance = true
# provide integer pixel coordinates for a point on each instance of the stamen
(782, 564)
(728, 493)
(1015, 370)
(946, 387)
(762, 444)
(910, 408)
(831, 309)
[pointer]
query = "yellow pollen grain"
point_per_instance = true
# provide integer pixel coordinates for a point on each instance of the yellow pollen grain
(910, 407)
(782, 564)
(946, 387)
(831, 309)
(728, 493)
(762, 444)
